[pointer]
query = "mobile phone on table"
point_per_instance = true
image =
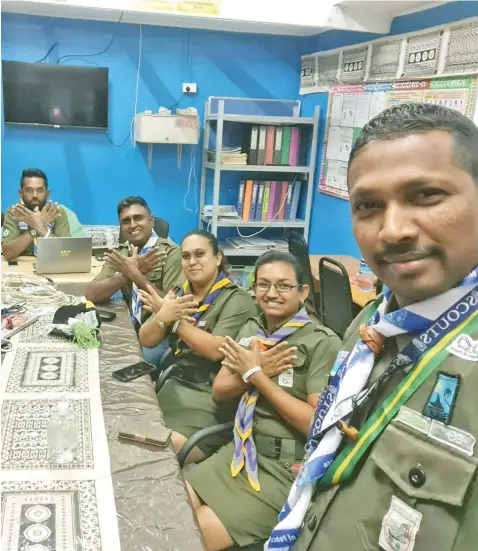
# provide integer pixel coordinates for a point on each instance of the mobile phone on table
(13, 262)
(106, 316)
(126, 374)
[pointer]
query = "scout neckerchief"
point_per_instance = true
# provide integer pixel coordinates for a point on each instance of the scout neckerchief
(136, 304)
(245, 453)
(220, 282)
(434, 322)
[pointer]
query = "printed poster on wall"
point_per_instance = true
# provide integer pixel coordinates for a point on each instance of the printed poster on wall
(352, 106)
(199, 7)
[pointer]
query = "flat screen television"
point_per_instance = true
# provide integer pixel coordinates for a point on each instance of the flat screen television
(55, 95)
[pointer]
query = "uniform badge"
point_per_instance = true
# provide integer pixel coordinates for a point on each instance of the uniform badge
(245, 341)
(22, 226)
(442, 400)
(399, 527)
(464, 347)
(6, 232)
(201, 323)
(286, 378)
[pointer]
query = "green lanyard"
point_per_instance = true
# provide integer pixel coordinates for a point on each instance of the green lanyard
(344, 464)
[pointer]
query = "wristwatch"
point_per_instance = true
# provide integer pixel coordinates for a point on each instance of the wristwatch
(161, 323)
(33, 232)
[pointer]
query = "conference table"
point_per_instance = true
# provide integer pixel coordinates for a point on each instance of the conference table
(148, 492)
(360, 296)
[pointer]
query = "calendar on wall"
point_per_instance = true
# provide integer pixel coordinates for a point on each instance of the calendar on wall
(351, 106)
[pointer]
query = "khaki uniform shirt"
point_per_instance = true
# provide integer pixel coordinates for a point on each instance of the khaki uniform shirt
(163, 278)
(12, 228)
(317, 348)
(348, 517)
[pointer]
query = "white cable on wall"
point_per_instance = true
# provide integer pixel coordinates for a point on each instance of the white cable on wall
(192, 173)
(133, 137)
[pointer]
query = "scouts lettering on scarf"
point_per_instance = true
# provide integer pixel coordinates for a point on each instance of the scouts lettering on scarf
(136, 304)
(220, 282)
(245, 453)
(437, 320)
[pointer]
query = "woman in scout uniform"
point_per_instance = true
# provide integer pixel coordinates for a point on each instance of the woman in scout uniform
(277, 369)
(197, 318)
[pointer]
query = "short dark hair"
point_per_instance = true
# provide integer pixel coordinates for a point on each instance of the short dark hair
(129, 202)
(417, 118)
(271, 257)
(223, 267)
(33, 173)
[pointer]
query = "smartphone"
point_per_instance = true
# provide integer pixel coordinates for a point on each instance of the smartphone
(134, 371)
(13, 262)
(106, 316)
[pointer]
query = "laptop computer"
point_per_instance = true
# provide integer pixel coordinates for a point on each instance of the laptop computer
(63, 255)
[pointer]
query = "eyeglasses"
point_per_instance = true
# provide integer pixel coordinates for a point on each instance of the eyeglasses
(264, 287)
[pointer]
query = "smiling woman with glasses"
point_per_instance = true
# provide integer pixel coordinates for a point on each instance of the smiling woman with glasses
(276, 371)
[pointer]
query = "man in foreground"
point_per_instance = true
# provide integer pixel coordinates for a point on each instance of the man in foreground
(35, 217)
(146, 258)
(392, 460)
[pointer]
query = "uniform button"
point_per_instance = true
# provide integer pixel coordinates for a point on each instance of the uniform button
(312, 523)
(287, 465)
(417, 476)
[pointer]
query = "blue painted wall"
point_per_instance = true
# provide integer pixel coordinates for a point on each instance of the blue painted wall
(86, 172)
(331, 231)
(90, 175)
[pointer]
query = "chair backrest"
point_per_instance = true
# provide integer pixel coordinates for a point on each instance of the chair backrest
(299, 249)
(336, 301)
(161, 227)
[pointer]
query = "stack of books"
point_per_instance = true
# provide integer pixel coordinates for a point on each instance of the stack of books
(268, 200)
(229, 156)
(275, 145)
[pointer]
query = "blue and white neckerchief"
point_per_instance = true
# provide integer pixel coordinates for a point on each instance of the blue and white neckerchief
(136, 304)
(346, 388)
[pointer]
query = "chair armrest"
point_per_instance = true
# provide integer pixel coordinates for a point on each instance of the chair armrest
(165, 374)
(199, 436)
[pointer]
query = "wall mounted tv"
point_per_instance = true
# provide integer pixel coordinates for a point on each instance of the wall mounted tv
(55, 95)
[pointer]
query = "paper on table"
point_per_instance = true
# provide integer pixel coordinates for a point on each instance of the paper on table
(336, 110)
(348, 110)
(362, 110)
(378, 103)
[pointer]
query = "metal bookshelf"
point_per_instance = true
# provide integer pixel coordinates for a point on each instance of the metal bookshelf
(215, 117)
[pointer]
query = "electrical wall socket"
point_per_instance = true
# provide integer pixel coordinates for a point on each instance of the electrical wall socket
(190, 88)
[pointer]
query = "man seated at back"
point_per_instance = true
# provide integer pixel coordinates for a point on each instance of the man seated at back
(144, 259)
(35, 217)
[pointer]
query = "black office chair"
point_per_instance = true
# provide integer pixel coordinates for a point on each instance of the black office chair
(336, 303)
(161, 227)
(299, 249)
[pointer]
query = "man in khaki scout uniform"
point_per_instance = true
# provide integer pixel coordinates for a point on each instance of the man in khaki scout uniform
(402, 470)
(35, 217)
(146, 258)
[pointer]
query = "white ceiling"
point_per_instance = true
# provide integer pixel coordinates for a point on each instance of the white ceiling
(357, 15)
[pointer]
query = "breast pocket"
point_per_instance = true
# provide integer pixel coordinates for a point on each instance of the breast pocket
(428, 476)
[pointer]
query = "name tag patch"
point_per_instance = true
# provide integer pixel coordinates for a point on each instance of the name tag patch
(201, 323)
(399, 527)
(22, 226)
(464, 347)
(287, 378)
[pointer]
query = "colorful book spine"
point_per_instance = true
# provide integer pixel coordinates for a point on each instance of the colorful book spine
(276, 207)
(283, 199)
(272, 199)
(269, 150)
(255, 191)
(240, 199)
(260, 199)
(294, 146)
(288, 202)
(277, 146)
(265, 200)
(247, 201)
(285, 148)
(295, 200)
